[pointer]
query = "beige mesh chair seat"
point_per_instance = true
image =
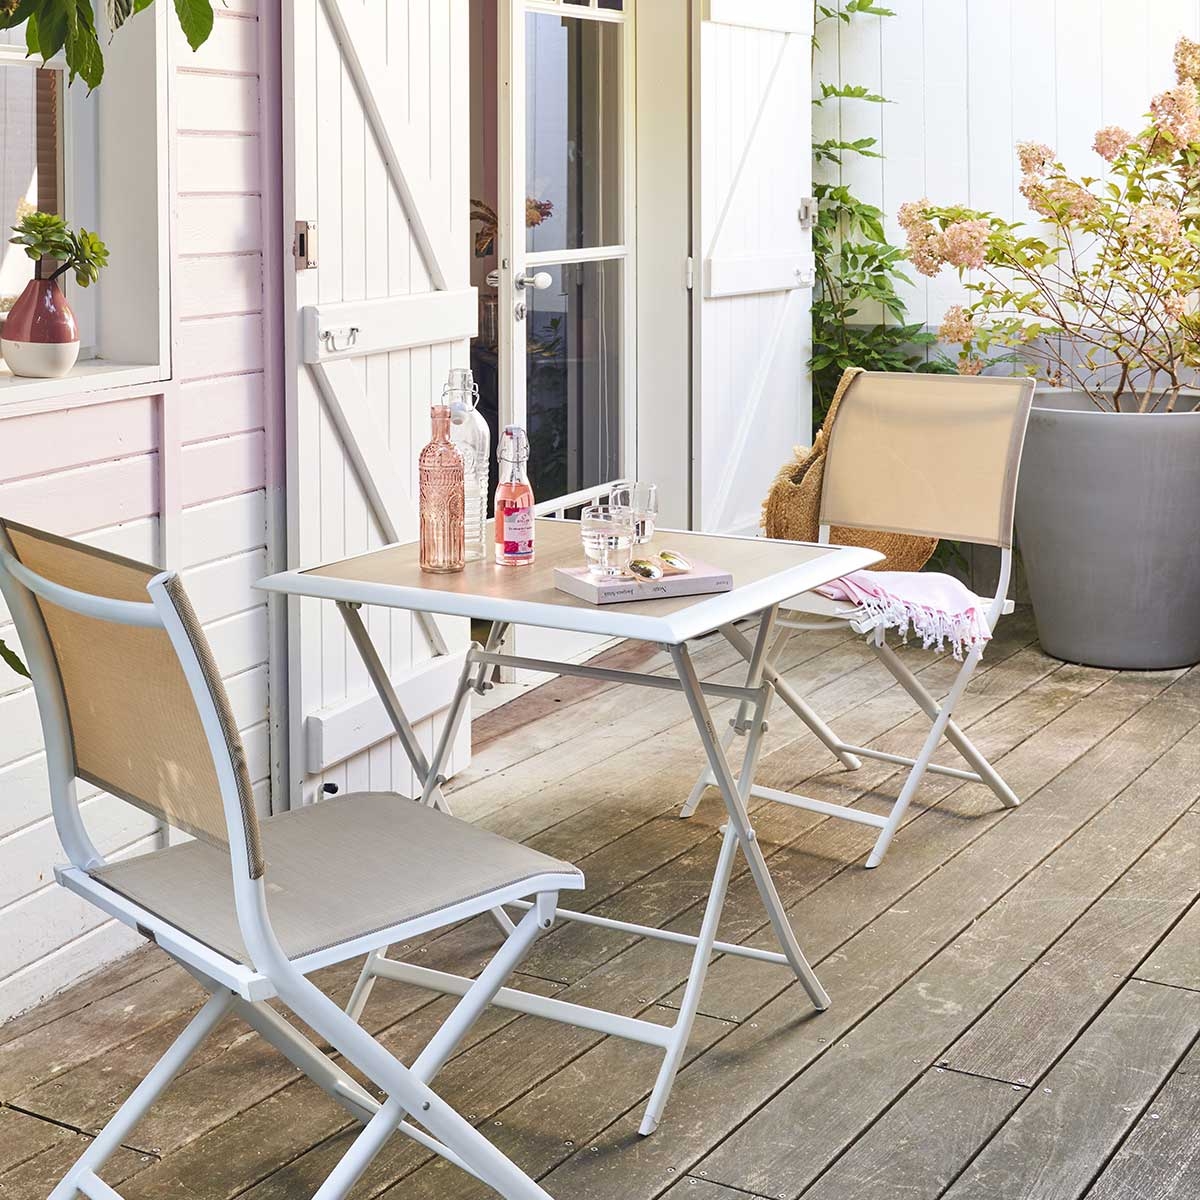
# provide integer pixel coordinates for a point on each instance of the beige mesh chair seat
(932, 455)
(131, 701)
(333, 874)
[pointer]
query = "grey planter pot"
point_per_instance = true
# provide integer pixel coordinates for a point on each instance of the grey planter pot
(1108, 517)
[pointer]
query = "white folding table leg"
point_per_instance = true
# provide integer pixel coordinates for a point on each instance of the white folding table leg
(383, 686)
(690, 1004)
(922, 761)
(756, 656)
(431, 792)
(143, 1096)
(740, 821)
(791, 697)
(954, 735)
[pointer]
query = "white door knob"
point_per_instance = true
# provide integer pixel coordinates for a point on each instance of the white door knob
(540, 282)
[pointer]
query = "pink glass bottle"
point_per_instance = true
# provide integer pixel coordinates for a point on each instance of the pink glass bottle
(441, 501)
(514, 501)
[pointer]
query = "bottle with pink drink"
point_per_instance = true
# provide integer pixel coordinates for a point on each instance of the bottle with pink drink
(514, 500)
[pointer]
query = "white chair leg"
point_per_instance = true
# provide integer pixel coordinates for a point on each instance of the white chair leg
(918, 771)
(406, 1093)
(954, 735)
(791, 697)
(142, 1097)
(364, 985)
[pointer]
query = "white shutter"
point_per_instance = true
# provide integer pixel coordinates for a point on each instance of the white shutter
(376, 154)
(753, 391)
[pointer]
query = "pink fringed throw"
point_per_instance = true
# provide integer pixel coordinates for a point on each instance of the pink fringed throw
(936, 607)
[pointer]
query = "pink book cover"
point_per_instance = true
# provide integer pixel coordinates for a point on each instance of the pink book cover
(622, 589)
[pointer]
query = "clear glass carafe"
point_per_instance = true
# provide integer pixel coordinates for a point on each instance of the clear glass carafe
(469, 432)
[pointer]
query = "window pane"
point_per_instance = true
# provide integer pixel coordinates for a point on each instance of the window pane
(574, 378)
(30, 162)
(573, 132)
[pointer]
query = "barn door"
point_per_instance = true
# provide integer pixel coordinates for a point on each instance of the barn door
(376, 166)
(753, 323)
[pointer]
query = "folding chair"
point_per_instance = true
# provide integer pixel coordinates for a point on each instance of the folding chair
(131, 701)
(934, 455)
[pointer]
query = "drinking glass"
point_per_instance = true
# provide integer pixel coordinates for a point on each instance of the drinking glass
(607, 533)
(642, 500)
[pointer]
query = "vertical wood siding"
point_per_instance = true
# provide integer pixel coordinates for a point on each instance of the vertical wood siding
(753, 349)
(967, 81)
(177, 479)
(368, 251)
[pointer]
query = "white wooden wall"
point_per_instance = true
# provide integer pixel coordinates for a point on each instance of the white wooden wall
(177, 478)
(970, 78)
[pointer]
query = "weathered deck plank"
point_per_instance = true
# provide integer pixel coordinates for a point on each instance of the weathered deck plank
(1160, 1159)
(1052, 1145)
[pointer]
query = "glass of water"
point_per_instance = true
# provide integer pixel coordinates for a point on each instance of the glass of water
(607, 533)
(642, 500)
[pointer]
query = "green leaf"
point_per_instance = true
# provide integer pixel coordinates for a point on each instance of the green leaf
(10, 657)
(196, 20)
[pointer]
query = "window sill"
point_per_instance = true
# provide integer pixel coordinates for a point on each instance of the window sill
(90, 382)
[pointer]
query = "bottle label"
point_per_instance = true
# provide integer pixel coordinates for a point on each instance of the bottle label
(518, 531)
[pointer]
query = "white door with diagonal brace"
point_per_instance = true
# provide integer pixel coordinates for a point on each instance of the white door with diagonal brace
(753, 319)
(376, 168)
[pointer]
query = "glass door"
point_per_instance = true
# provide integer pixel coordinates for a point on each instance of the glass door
(562, 279)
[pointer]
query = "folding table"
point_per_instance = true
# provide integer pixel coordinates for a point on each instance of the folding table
(765, 574)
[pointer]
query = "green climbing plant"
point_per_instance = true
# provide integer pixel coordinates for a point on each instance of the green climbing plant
(858, 271)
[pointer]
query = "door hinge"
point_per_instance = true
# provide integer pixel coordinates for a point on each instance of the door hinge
(808, 212)
(689, 273)
(304, 247)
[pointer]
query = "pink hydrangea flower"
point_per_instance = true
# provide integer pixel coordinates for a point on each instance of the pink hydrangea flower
(1035, 157)
(1158, 221)
(970, 365)
(1187, 61)
(921, 236)
(963, 243)
(1176, 114)
(1058, 199)
(1111, 141)
(957, 325)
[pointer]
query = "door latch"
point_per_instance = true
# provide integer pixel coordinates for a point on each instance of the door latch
(304, 247)
(808, 212)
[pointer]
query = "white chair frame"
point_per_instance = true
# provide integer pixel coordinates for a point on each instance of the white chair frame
(850, 755)
(245, 990)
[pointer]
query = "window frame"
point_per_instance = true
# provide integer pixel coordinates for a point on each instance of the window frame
(110, 182)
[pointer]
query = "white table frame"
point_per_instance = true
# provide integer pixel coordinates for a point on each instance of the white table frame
(755, 696)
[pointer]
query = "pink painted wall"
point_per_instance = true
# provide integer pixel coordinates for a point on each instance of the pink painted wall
(179, 479)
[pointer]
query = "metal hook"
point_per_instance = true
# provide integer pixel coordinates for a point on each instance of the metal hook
(330, 338)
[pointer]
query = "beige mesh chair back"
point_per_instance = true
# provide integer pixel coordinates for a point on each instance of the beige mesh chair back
(935, 455)
(131, 700)
(132, 722)
(930, 455)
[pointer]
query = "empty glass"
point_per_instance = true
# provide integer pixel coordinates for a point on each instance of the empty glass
(607, 533)
(642, 500)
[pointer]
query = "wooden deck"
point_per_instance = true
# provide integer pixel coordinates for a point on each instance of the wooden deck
(1016, 997)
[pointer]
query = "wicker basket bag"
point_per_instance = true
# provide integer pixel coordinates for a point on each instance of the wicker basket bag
(792, 507)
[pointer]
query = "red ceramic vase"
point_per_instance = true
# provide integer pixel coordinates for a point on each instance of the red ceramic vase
(40, 337)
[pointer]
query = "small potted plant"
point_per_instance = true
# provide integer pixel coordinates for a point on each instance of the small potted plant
(1100, 299)
(41, 338)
